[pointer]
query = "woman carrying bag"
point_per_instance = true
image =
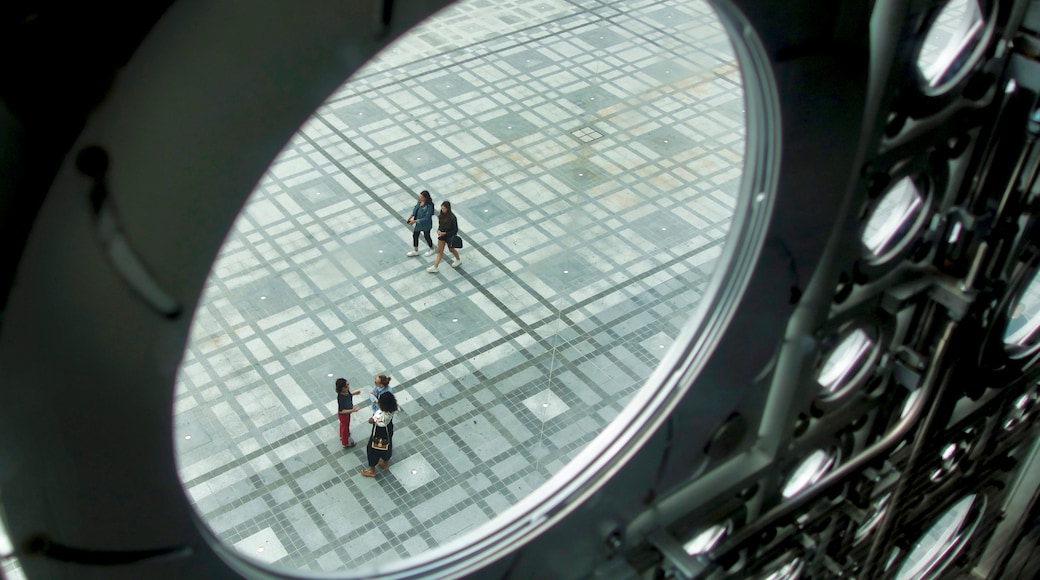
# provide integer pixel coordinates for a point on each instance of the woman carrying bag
(381, 443)
(447, 230)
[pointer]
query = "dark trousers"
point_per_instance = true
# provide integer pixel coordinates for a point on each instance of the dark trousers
(415, 238)
(375, 455)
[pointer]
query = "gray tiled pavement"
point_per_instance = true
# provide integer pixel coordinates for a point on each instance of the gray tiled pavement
(592, 151)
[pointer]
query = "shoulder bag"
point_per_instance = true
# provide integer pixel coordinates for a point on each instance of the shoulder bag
(381, 443)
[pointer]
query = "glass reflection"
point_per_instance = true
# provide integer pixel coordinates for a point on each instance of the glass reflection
(880, 508)
(808, 472)
(911, 400)
(845, 362)
(792, 570)
(1021, 411)
(950, 41)
(943, 541)
(952, 453)
(706, 540)
(893, 217)
(1024, 317)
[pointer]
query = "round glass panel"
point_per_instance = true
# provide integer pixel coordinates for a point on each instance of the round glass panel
(846, 363)
(893, 219)
(880, 508)
(808, 472)
(950, 41)
(943, 541)
(791, 570)
(1021, 411)
(911, 400)
(321, 277)
(1024, 319)
(707, 539)
(952, 453)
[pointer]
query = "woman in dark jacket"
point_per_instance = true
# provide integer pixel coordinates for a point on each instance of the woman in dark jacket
(422, 217)
(447, 228)
(382, 430)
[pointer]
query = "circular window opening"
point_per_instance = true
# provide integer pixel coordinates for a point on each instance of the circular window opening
(878, 509)
(911, 400)
(945, 539)
(706, 540)
(950, 42)
(790, 570)
(1020, 336)
(846, 366)
(808, 472)
(894, 220)
(952, 454)
(1021, 411)
(321, 278)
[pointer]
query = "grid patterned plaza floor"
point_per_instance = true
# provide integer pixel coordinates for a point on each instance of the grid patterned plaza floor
(592, 151)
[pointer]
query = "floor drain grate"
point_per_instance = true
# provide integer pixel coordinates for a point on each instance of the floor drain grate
(587, 134)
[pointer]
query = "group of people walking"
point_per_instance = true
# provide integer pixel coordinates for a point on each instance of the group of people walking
(380, 445)
(447, 230)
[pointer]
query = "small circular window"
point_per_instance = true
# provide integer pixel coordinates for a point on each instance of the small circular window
(845, 366)
(911, 400)
(1021, 412)
(878, 509)
(950, 43)
(1020, 335)
(894, 220)
(790, 570)
(809, 471)
(952, 454)
(943, 542)
(706, 540)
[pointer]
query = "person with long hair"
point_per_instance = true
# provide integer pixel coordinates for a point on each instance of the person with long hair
(381, 444)
(447, 229)
(422, 217)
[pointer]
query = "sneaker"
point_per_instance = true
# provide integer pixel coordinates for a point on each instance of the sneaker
(455, 263)
(412, 253)
(430, 252)
(432, 269)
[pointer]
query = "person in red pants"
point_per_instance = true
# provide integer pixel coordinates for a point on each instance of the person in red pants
(345, 399)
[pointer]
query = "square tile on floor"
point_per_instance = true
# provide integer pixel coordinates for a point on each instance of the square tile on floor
(263, 545)
(413, 472)
(546, 405)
